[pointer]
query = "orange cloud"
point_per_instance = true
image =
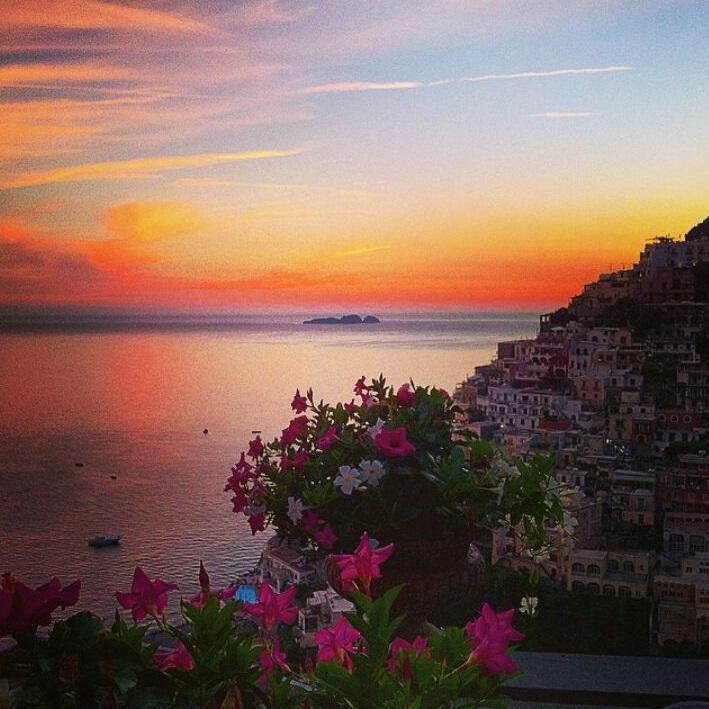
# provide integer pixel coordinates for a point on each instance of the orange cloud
(138, 167)
(36, 74)
(93, 14)
(135, 228)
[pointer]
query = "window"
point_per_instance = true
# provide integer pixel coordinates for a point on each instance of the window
(676, 543)
(612, 564)
(696, 543)
(608, 590)
(624, 592)
(577, 569)
(593, 570)
(628, 567)
(577, 586)
(593, 588)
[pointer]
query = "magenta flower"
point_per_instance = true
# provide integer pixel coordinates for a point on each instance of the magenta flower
(256, 515)
(338, 642)
(299, 403)
(393, 442)
(240, 474)
(350, 408)
(273, 608)
(297, 462)
(179, 658)
(405, 397)
(399, 646)
(328, 439)
(146, 597)
(358, 570)
(296, 428)
(23, 609)
(240, 500)
(360, 388)
(326, 538)
(491, 635)
(309, 522)
(205, 593)
(255, 447)
(273, 659)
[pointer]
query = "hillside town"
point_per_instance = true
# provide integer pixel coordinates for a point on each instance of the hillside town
(615, 387)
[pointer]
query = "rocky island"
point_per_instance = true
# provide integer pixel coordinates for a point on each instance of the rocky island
(344, 320)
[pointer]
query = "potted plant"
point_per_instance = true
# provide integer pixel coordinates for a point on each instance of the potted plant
(391, 463)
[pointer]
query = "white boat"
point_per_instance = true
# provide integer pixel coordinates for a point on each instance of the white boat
(105, 541)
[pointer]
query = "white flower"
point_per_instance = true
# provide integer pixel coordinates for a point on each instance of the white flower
(347, 479)
(371, 472)
(295, 509)
(569, 524)
(505, 468)
(569, 496)
(529, 605)
(374, 430)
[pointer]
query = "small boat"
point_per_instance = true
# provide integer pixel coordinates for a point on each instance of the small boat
(109, 540)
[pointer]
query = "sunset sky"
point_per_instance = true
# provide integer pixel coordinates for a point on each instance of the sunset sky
(324, 154)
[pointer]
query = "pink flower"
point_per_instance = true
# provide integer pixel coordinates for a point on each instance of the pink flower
(240, 474)
(296, 428)
(337, 642)
(326, 538)
(146, 597)
(328, 439)
(205, 593)
(399, 646)
(240, 500)
(491, 635)
(350, 408)
(179, 658)
(368, 400)
(297, 462)
(394, 442)
(273, 608)
(358, 570)
(309, 522)
(299, 403)
(257, 517)
(23, 609)
(273, 659)
(255, 447)
(405, 397)
(360, 388)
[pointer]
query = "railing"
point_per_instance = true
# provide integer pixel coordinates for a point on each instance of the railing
(606, 681)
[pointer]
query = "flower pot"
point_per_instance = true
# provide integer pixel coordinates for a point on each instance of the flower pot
(435, 580)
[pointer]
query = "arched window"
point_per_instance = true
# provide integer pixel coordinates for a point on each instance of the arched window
(624, 592)
(577, 586)
(593, 570)
(577, 569)
(608, 590)
(612, 564)
(593, 588)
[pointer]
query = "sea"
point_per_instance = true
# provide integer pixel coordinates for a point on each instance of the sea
(103, 420)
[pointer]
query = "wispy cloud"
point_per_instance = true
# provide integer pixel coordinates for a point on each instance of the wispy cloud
(362, 250)
(51, 74)
(94, 14)
(562, 114)
(345, 86)
(139, 167)
(541, 74)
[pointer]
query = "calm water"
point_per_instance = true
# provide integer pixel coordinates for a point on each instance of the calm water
(132, 400)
